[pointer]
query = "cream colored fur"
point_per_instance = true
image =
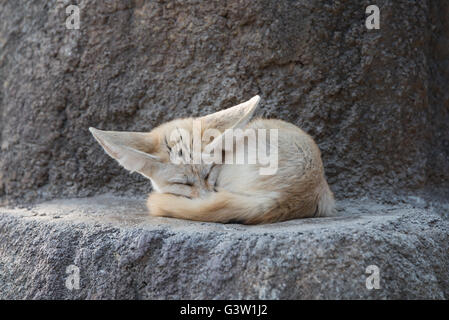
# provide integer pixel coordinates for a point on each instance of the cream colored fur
(225, 192)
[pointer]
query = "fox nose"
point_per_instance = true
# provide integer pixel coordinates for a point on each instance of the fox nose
(209, 187)
(204, 189)
(203, 193)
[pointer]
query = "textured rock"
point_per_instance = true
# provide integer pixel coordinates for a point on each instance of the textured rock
(121, 252)
(376, 101)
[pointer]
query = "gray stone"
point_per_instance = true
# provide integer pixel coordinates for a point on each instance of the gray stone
(376, 101)
(122, 253)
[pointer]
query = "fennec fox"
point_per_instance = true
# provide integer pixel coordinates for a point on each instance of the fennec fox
(222, 189)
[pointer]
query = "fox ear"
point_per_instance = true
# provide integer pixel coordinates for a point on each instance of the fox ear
(231, 118)
(130, 149)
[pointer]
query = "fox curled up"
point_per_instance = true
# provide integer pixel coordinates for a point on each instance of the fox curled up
(223, 167)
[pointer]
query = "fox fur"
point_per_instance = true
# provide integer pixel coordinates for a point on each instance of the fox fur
(222, 192)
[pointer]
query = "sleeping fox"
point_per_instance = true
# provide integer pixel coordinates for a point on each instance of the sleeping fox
(217, 168)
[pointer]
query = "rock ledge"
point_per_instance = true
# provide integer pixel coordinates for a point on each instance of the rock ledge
(122, 253)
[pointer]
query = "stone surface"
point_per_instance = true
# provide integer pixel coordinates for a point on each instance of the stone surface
(376, 101)
(121, 252)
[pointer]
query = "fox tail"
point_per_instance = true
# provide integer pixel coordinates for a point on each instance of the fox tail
(221, 206)
(326, 202)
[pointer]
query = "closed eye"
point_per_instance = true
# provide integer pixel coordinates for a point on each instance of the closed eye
(208, 173)
(166, 143)
(180, 181)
